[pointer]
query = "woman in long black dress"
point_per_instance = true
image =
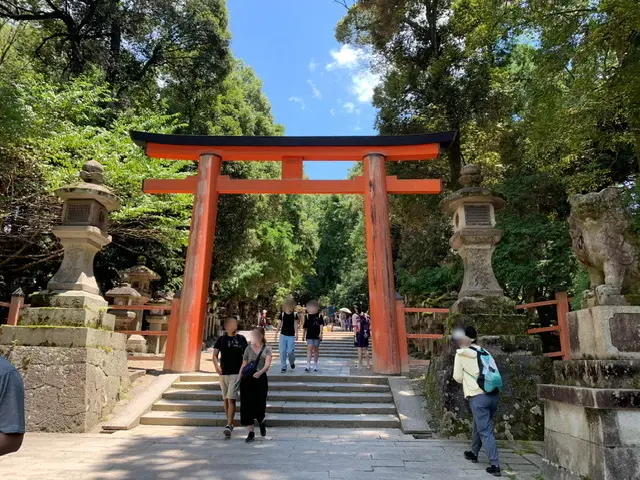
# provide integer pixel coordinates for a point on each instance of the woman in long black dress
(254, 388)
(363, 333)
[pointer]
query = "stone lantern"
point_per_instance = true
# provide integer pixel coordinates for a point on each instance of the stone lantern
(141, 276)
(158, 322)
(73, 364)
(83, 232)
(473, 215)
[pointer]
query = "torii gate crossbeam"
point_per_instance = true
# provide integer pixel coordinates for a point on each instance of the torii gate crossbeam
(390, 350)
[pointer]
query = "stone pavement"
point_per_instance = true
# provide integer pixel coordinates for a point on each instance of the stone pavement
(187, 453)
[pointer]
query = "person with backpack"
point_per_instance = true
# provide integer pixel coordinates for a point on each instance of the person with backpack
(312, 333)
(288, 330)
(476, 370)
(362, 328)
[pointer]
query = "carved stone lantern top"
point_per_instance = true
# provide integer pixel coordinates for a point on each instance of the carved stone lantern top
(90, 188)
(124, 294)
(472, 192)
(140, 276)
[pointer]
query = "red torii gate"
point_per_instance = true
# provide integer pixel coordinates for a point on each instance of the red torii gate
(390, 349)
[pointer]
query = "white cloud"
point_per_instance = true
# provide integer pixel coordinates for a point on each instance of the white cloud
(347, 57)
(299, 101)
(348, 107)
(358, 62)
(312, 65)
(363, 84)
(314, 90)
(332, 111)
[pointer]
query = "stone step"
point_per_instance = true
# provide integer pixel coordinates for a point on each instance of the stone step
(290, 377)
(276, 420)
(287, 396)
(294, 386)
(279, 407)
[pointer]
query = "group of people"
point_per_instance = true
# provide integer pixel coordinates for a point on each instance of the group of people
(243, 368)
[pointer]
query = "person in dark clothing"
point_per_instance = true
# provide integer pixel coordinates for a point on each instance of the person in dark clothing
(254, 388)
(288, 329)
(363, 333)
(312, 332)
(12, 418)
(230, 347)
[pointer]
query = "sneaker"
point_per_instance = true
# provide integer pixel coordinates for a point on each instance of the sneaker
(227, 430)
(495, 471)
(471, 456)
(263, 428)
(284, 370)
(293, 366)
(251, 437)
(306, 369)
(315, 369)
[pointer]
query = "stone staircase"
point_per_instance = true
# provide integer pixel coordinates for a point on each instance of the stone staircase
(308, 400)
(334, 344)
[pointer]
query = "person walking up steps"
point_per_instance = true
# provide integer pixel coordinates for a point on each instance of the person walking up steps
(230, 347)
(312, 332)
(254, 384)
(288, 329)
(476, 370)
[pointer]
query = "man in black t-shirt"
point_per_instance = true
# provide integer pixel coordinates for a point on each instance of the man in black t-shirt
(230, 347)
(312, 329)
(288, 329)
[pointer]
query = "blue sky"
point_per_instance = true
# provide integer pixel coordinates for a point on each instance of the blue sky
(316, 86)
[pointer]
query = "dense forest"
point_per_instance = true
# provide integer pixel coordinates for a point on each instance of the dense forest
(544, 95)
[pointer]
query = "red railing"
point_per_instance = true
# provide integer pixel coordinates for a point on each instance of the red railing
(14, 305)
(562, 308)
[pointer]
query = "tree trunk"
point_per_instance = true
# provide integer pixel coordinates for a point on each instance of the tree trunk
(455, 163)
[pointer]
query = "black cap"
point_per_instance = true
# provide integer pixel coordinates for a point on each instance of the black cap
(470, 332)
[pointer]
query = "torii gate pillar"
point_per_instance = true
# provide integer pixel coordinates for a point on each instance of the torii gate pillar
(382, 291)
(195, 284)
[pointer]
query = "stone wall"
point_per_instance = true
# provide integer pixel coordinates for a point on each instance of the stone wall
(520, 412)
(73, 376)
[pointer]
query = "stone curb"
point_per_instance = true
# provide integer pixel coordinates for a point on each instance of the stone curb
(130, 415)
(413, 418)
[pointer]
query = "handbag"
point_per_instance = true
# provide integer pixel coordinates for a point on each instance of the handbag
(252, 367)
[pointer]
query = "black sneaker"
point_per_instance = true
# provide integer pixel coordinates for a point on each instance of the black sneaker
(227, 430)
(306, 369)
(263, 428)
(284, 370)
(293, 366)
(251, 437)
(471, 456)
(495, 471)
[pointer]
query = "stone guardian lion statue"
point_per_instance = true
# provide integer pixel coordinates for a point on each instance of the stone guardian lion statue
(603, 241)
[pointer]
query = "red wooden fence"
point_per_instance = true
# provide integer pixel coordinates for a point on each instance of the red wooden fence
(562, 309)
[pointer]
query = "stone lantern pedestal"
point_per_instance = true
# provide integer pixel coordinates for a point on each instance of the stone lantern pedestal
(74, 365)
(482, 304)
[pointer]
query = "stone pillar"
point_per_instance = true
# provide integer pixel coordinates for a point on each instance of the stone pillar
(74, 365)
(592, 409)
(502, 331)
